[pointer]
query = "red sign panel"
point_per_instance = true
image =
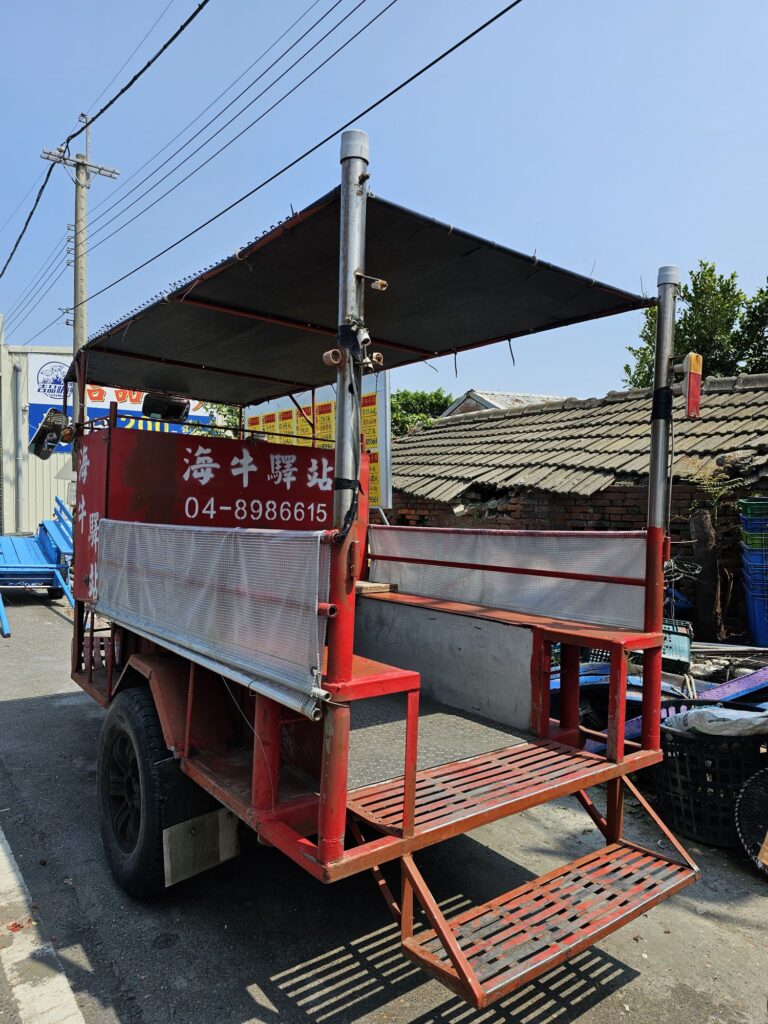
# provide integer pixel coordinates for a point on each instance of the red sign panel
(184, 479)
(213, 481)
(89, 508)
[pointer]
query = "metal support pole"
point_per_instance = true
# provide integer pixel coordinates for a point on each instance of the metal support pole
(80, 291)
(661, 417)
(661, 413)
(332, 815)
(83, 170)
(354, 193)
(18, 426)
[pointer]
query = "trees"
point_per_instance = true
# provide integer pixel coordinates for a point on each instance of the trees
(410, 408)
(716, 319)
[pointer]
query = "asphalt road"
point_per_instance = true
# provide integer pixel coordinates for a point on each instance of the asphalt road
(258, 940)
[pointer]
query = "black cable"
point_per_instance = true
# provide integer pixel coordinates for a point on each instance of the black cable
(148, 160)
(14, 321)
(56, 318)
(132, 81)
(58, 249)
(30, 215)
(20, 203)
(133, 52)
(234, 138)
(312, 149)
(208, 123)
(96, 116)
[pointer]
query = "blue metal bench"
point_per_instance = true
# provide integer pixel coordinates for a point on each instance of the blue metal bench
(42, 560)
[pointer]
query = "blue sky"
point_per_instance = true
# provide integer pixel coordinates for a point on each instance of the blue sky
(619, 136)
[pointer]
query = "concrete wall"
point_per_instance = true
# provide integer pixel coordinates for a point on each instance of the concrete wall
(40, 481)
(480, 667)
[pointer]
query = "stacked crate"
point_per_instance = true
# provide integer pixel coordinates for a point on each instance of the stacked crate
(754, 544)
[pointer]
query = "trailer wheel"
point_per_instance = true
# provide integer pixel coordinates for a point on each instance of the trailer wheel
(55, 593)
(131, 792)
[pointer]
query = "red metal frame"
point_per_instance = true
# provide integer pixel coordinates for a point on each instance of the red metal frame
(288, 778)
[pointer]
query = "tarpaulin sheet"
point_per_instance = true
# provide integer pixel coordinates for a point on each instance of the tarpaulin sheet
(255, 326)
(609, 554)
(241, 598)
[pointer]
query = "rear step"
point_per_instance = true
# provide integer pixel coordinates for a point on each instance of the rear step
(490, 950)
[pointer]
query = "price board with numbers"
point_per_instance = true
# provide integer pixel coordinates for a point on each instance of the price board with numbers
(281, 422)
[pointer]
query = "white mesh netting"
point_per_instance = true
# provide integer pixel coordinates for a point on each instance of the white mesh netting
(589, 553)
(242, 598)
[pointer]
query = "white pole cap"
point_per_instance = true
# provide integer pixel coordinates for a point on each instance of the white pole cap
(354, 143)
(668, 275)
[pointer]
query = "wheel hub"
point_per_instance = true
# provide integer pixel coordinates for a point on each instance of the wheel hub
(124, 793)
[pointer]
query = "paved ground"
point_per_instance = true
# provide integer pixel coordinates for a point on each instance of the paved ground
(258, 940)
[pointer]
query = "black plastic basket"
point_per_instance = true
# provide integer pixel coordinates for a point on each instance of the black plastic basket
(700, 778)
(752, 819)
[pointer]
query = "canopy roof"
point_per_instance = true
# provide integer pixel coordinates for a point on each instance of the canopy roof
(255, 326)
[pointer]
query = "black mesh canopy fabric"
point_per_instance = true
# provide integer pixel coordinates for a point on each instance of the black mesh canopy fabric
(256, 325)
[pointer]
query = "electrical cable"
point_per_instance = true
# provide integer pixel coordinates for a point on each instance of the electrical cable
(293, 24)
(234, 138)
(208, 123)
(78, 131)
(125, 181)
(58, 249)
(311, 149)
(20, 203)
(133, 53)
(17, 317)
(18, 324)
(30, 215)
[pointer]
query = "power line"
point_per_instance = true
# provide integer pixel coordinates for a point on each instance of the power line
(253, 64)
(247, 128)
(30, 215)
(312, 149)
(20, 203)
(73, 135)
(205, 109)
(133, 53)
(18, 323)
(208, 123)
(59, 248)
(12, 318)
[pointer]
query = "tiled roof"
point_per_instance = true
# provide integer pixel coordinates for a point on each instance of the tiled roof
(500, 400)
(581, 446)
(512, 399)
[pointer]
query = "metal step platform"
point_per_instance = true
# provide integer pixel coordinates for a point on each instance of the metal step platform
(461, 795)
(497, 947)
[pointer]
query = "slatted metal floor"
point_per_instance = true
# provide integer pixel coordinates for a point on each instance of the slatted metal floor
(517, 936)
(485, 786)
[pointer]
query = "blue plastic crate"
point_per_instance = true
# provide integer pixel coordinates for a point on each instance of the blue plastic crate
(757, 615)
(754, 524)
(753, 556)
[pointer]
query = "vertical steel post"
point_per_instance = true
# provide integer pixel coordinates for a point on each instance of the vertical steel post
(18, 443)
(354, 193)
(79, 305)
(661, 418)
(332, 816)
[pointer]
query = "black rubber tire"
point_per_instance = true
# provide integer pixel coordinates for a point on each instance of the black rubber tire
(131, 747)
(55, 593)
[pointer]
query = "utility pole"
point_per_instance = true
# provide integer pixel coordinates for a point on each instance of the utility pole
(83, 170)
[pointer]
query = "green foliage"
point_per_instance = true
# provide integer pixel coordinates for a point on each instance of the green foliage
(716, 319)
(410, 408)
(225, 422)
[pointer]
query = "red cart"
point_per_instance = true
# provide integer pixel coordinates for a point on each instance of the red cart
(218, 580)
